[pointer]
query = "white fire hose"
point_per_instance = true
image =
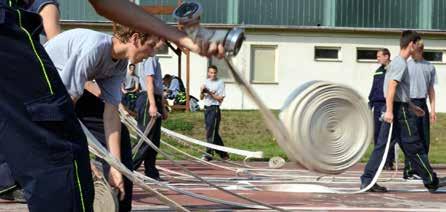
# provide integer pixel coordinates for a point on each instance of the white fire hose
(325, 127)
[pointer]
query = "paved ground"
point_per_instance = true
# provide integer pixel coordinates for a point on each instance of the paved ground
(291, 191)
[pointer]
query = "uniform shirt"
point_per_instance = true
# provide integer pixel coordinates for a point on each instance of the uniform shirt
(130, 82)
(217, 86)
(376, 92)
(151, 67)
(422, 77)
(398, 71)
(82, 55)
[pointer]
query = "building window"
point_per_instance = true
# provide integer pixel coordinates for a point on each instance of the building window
(434, 56)
(263, 60)
(366, 54)
(327, 53)
(223, 69)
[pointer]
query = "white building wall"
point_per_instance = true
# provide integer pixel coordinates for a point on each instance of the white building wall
(295, 65)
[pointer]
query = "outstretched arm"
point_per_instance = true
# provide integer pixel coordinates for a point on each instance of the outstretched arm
(131, 15)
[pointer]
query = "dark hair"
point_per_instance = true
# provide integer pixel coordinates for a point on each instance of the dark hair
(384, 51)
(132, 65)
(408, 36)
(167, 77)
(213, 67)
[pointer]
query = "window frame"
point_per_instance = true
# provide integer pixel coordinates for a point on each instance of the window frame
(339, 59)
(443, 59)
(251, 59)
(367, 60)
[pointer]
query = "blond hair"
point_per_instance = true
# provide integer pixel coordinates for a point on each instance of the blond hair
(124, 33)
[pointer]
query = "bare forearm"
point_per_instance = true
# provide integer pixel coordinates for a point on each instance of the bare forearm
(391, 95)
(151, 90)
(93, 88)
(136, 88)
(432, 98)
(218, 98)
(50, 18)
(112, 130)
(129, 14)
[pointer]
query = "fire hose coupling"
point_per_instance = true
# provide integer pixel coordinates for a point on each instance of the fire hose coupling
(190, 12)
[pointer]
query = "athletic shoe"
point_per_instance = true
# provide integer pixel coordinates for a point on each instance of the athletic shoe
(375, 188)
(16, 195)
(412, 177)
(441, 183)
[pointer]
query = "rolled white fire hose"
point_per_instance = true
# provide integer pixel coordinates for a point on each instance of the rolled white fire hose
(325, 127)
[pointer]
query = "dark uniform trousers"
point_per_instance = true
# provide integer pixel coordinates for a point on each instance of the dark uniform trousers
(423, 126)
(212, 116)
(406, 133)
(90, 111)
(378, 109)
(41, 139)
(146, 153)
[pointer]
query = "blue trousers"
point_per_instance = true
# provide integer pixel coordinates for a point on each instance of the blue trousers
(41, 139)
(406, 133)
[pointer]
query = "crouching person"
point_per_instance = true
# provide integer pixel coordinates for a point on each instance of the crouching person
(82, 55)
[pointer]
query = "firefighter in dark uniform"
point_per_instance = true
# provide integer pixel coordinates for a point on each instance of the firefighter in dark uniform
(41, 139)
(377, 102)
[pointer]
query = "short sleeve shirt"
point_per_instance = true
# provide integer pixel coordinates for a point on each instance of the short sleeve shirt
(217, 86)
(398, 71)
(151, 67)
(82, 55)
(38, 5)
(422, 76)
(130, 82)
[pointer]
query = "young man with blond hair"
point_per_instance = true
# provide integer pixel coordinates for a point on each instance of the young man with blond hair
(422, 80)
(402, 114)
(82, 56)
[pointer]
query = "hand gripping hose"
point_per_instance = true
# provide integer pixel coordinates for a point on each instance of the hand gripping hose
(97, 149)
(259, 205)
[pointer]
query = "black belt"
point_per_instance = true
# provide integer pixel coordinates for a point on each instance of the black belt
(419, 99)
(212, 106)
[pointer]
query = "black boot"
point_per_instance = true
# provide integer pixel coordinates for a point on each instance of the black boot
(441, 183)
(375, 188)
